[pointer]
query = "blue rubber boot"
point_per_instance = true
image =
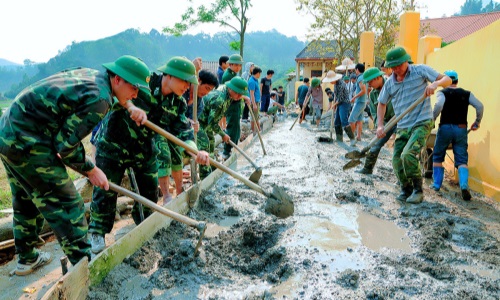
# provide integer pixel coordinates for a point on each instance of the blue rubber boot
(437, 175)
(463, 180)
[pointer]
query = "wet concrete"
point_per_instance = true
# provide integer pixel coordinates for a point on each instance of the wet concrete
(348, 237)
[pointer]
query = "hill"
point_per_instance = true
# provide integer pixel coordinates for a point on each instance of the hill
(269, 50)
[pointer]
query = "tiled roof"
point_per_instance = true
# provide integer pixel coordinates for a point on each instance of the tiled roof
(321, 49)
(451, 29)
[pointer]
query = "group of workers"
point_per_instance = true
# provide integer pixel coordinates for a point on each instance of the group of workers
(42, 130)
(41, 134)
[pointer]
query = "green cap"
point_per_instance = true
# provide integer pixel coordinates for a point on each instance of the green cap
(181, 68)
(371, 74)
(235, 59)
(396, 56)
(132, 70)
(238, 84)
(346, 77)
(315, 82)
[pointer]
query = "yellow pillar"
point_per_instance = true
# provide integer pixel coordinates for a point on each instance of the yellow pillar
(409, 33)
(366, 48)
(426, 45)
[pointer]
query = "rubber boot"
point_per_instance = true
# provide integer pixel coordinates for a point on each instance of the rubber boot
(350, 134)
(418, 194)
(405, 192)
(338, 134)
(463, 180)
(371, 159)
(437, 175)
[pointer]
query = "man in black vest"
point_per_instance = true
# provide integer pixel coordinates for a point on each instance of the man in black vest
(453, 105)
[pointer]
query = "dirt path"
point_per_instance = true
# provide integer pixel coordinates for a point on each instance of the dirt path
(348, 238)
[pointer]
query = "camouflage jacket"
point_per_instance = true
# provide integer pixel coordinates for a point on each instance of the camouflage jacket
(216, 104)
(53, 115)
(120, 134)
(228, 75)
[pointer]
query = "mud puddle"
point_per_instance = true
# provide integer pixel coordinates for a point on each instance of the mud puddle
(347, 239)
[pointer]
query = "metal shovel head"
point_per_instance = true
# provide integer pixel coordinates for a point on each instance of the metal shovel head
(193, 194)
(256, 175)
(325, 139)
(355, 154)
(351, 164)
(279, 203)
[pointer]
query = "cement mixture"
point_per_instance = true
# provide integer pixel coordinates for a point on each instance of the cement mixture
(347, 239)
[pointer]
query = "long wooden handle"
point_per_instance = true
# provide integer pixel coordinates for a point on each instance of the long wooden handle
(301, 112)
(393, 121)
(243, 153)
(214, 163)
(146, 202)
(258, 128)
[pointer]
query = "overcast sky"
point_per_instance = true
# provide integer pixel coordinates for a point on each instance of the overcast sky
(39, 29)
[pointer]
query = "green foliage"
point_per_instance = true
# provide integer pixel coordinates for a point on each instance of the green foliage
(235, 45)
(269, 50)
(226, 13)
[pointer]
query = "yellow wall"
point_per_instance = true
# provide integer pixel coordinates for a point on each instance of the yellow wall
(409, 32)
(366, 48)
(475, 58)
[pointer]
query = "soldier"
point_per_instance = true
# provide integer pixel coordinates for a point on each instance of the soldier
(216, 105)
(375, 79)
(233, 112)
(41, 132)
(453, 105)
(207, 81)
(407, 84)
(122, 144)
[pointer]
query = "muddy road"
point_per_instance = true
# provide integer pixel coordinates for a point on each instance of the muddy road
(347, 239)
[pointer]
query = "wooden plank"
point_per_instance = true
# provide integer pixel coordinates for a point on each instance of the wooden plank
(73, 285)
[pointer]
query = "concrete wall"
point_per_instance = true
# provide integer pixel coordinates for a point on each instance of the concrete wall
(475, 58)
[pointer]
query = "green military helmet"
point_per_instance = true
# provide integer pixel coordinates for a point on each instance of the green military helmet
(131, 69)
(235, 59)
(371, 74)
(346, 77)
(181, 68)
(315, 82)
(396, 56)
(239, 85)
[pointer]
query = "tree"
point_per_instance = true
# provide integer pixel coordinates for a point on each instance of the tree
(471, 7)
(222, 12)
(343, 21)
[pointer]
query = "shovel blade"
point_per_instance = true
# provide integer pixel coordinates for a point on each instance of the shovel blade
(355, 154)
(255, 177)
(325, 139)
(193, 194)
(279, 203)
(351, 164)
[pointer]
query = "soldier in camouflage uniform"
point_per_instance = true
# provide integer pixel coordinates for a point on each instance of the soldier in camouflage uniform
(407, 84)
(40, 133)
(175, 121)
(233, 113)
(216, 105)
(122, 144)
(207, 81)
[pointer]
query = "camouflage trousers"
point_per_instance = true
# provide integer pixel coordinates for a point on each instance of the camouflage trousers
(233, 129)
(42, 189)
(103, 206)
(203, 143)
(407, 146)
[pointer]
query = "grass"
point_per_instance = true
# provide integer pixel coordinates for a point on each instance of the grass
(5, 103)
(5, 193)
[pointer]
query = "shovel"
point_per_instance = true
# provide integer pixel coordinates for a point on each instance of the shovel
(302, 112)
(279, 202)
(356, 155)
(200, 226)
(255, 176)
(258, 128)
(194, 191)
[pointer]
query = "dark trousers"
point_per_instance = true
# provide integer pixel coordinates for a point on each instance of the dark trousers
(264, 102)
(233, 129)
